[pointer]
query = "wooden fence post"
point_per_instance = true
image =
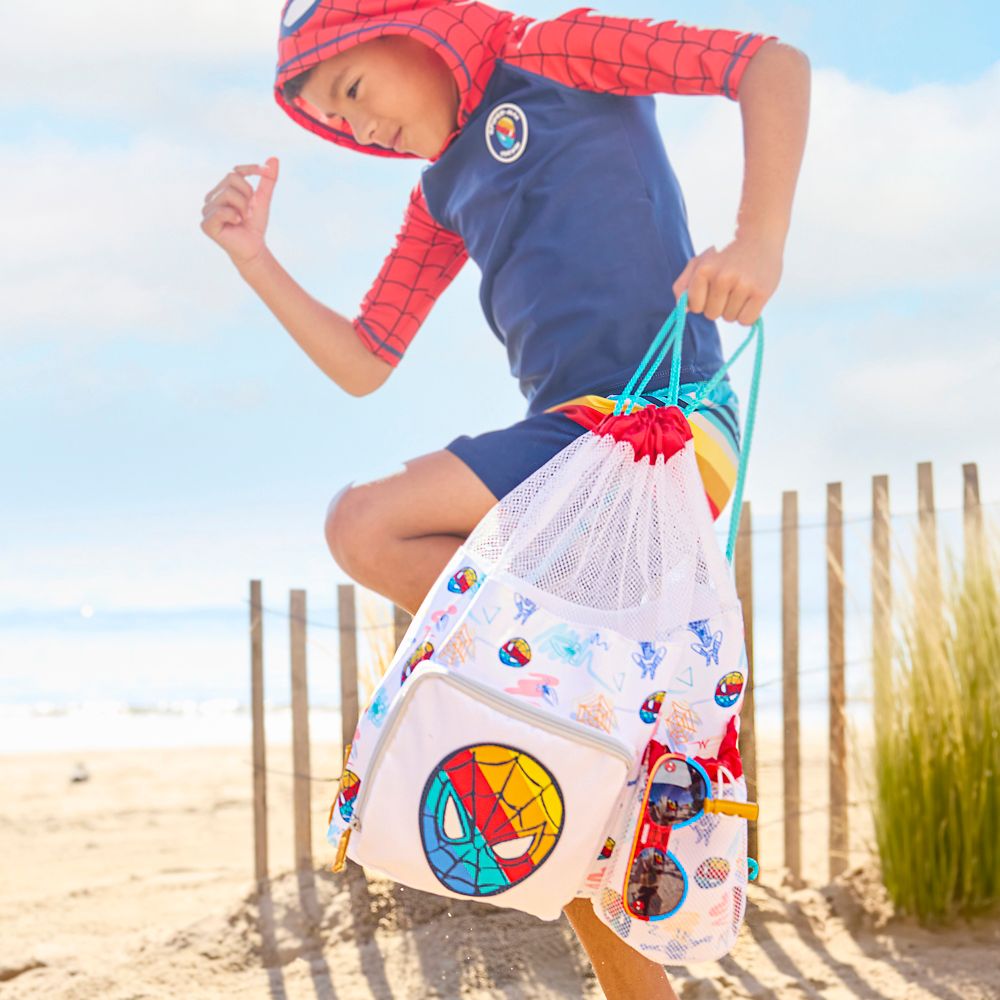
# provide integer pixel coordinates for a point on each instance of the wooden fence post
(347, 623)
(400, 623)
(928, 574)
(881, 595)
(743, 558)
(301, 767)
(257, 717)
(972, 514)
(790, 680)
(838, 831)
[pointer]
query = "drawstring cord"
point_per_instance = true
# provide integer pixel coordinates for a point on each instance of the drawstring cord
(671, 335)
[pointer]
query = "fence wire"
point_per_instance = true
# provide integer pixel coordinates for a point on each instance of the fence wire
(767, 763)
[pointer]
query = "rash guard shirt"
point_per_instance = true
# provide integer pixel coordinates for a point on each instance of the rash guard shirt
(556, 183)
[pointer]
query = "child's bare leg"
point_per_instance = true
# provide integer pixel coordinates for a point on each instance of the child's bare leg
(623, 973)
(395, 535)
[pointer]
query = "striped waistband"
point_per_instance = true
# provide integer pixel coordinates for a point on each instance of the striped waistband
(715, 429)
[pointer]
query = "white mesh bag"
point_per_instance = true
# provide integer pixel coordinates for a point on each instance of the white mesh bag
(590, 617)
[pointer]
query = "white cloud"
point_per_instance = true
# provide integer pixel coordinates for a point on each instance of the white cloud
(105, 242)
(845, 399)
(897, 190)
(128, 56)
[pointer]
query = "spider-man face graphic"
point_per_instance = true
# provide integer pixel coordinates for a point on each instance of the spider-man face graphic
(489, 816)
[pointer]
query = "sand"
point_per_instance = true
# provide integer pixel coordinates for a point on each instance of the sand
(137, 883)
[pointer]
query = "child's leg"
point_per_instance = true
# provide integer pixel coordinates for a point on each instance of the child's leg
(623, 973)
(395, 535)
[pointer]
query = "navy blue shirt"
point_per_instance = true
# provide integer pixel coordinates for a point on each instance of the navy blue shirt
(567, 202)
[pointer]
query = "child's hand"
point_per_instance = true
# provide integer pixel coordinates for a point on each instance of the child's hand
(235, 215)
(734, 283)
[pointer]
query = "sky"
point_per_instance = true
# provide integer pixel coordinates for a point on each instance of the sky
(164, 441)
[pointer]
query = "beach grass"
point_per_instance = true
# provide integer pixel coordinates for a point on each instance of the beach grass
(937, 744)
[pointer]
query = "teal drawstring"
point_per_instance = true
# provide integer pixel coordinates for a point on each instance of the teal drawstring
(672, 334)
(672, 329)
(734, 516)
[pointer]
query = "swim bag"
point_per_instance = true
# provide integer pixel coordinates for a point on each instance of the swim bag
(590, 619)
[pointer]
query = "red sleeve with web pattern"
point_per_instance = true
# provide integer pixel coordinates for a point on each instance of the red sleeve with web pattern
(419, 268)
(617, 55)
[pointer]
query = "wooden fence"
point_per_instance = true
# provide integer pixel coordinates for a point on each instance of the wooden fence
(928, 571)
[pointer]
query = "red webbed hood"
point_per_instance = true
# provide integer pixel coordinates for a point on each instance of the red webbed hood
(467, 35)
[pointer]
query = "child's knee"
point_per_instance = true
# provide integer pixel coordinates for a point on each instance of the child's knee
(351, 535)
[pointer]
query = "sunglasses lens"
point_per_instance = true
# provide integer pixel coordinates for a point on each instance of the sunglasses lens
(677, 792)
(656, 885)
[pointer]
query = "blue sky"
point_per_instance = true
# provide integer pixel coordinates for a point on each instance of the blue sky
(165, 440)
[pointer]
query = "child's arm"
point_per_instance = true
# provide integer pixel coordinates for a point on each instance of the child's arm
(359, 355)
(737, 281)
(634, 57)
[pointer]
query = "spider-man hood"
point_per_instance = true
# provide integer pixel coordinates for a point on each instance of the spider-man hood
(468, 36)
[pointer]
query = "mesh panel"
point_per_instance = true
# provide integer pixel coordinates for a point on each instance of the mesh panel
(607, 541)
(739, 905)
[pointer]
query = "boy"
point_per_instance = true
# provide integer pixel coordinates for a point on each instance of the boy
(546, 167)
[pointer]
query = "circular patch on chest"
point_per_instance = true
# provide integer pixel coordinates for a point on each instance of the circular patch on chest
(506, 132)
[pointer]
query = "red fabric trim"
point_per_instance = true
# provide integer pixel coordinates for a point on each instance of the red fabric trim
(652, 431)
(421, 265)
(580, 49)
(728, 756)
(467, 36)
(617, 55)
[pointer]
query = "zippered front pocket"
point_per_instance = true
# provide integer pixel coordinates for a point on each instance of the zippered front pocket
(471, 793)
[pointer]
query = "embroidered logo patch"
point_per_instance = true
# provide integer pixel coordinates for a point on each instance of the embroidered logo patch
(490, 815)
(506, 132)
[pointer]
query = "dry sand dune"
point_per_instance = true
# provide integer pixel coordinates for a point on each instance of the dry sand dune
(135, 884)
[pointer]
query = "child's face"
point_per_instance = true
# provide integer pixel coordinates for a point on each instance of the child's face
(393, 91)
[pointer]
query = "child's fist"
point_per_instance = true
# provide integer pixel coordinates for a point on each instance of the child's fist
(235, 215)
(734, 283)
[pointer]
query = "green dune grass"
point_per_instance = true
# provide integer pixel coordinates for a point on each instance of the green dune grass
(937, 746)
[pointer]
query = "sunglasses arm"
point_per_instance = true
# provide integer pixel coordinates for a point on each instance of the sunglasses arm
(748, 810)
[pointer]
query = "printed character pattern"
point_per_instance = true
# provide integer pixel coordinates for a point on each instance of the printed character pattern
(423, 652)
(490, 815)
(650, 708)
(729, 689)
(649, 658)
(708, 642)
(464, 580)
(347, 792)
(515, 652)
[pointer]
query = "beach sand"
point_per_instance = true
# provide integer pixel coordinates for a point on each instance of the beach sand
(137, 883)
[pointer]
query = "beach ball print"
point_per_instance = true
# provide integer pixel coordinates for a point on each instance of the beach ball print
(423, 652)
(350, 785)
(515, 653)
(711, 873)
(490, 815)
(651, 707)
(729, 689)
(463, 580)
(607, 850)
